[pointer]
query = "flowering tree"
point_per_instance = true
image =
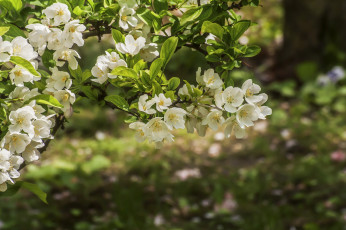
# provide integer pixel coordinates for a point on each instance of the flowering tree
(41, 78)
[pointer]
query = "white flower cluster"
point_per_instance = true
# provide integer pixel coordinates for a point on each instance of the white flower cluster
(58, 33)
(27, 130)
(29, 124)
(137, 41)
(20, 47)
(214, 108)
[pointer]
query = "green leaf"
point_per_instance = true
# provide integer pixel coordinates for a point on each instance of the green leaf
(14, 31)
(118, 101)
(149, 18)
(47, 59)
(86, 75)
(12, 4)
(145, 79)
(87, 90)
(36, 190)
(130, 119)
(157, 89)
(173, 83)
(170, 94)
(191, 15)
(252, 51)
(168, 49)
(213, 28)
(155, 67)
(117, 36)
(124, 71)
(160, 5)
(25, 64)
(47, 100)
(3, 30)
(239, 29)
(78, 11)
(139, 66)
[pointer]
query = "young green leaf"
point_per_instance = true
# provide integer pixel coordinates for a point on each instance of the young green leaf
(160, 5)
(25, 64)
(3, 30)
(155, 67)
(47, 100)
(124, 71)
(173, 83)
(168, 49)
(35, 190)
(252, 51)
(117, 36)
(118, 101)
(14, 31)
(239, 29)
(191, 15)
(157, 89)
(47, 59)
(213, 28)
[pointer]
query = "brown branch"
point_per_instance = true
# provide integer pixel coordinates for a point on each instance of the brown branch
(96, 33)
(235, 5)
(196, 47)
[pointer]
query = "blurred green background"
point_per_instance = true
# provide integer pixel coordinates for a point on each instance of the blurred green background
(288, 174)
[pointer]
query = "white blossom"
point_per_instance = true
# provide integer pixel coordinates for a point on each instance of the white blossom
(9, 164)
(5, 50)
(214, 119)
(100, 71)
(156, 130)
(131, 46)
(54, 39)
(263, 111)
(68, 55)
(250, 90)
(38, 36)
(233, 98)
(175, 118)
(145, 105)
(162, 102)
(15, 142)
(127, 18)
(211, 79)
(58, 80)
(73, 34)
(232, 126)
(59, 12)
(113, 60)
(66, 98)
(21, 120)
(246, 114)
(149, 52)
(20, 75)
(31, 152)
(41, 129)
(21, 48)
(138, 127)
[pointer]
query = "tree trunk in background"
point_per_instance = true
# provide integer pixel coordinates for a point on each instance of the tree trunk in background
(314, 30)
